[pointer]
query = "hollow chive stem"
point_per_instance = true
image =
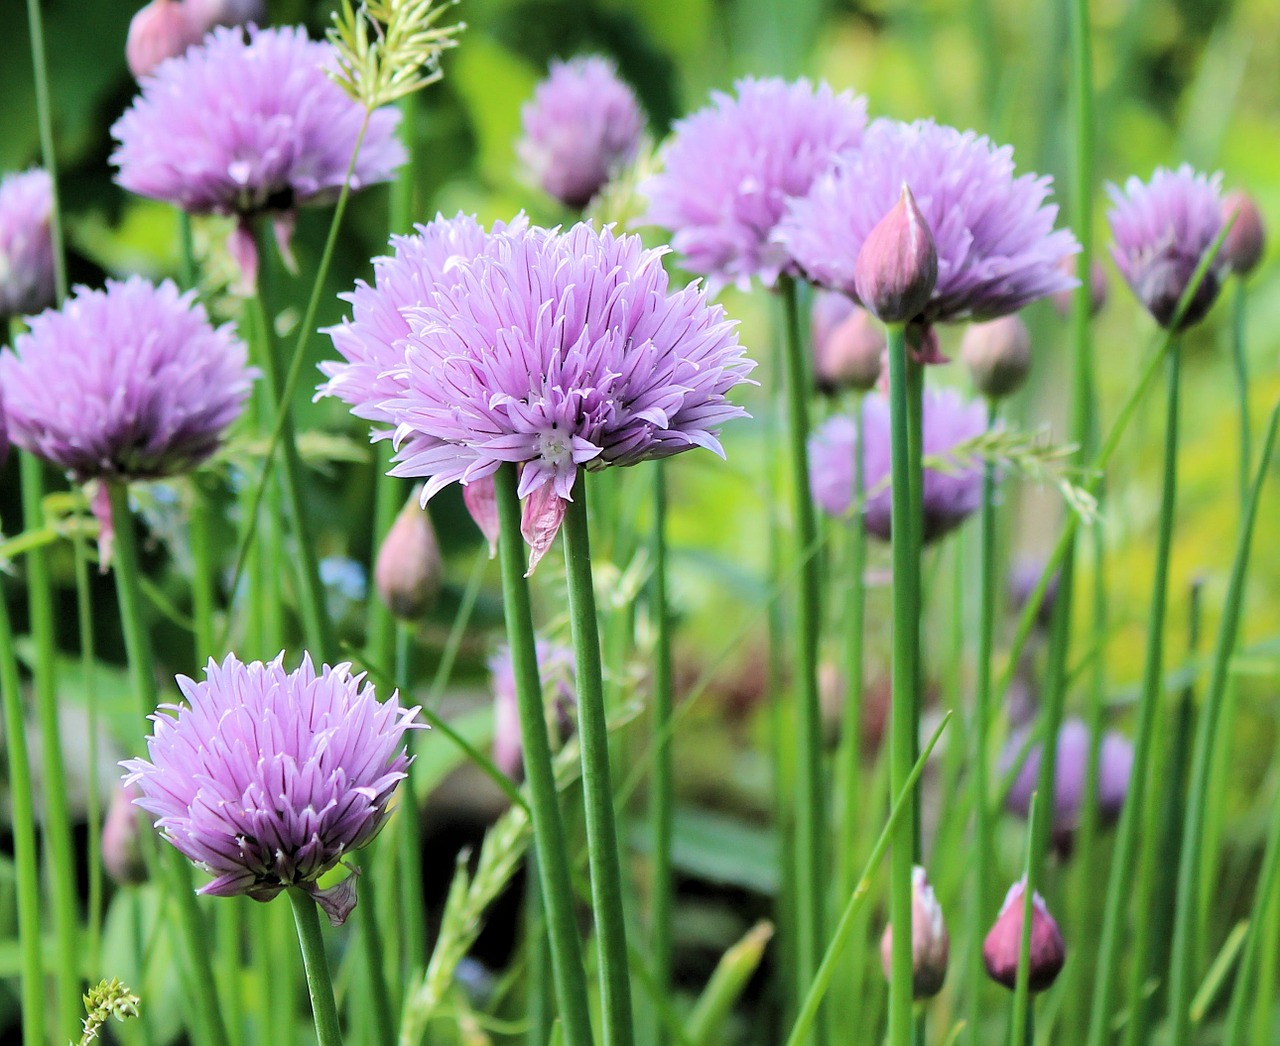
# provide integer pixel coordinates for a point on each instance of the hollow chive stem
(1023, 1003)
(663, 787)
(1240, 364)
(324, 1010)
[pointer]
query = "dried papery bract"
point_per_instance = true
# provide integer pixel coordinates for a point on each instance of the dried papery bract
(387, 49)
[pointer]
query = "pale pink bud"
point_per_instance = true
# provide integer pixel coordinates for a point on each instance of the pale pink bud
(407, 573)
(930, 943)
(1244, 244)
(163, 29)
(848, 344)
(122, 837)
(1098, 288)
(897, 267)
(998, 355)
(1003, 945)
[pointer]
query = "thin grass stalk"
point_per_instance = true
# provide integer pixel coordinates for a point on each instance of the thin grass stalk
(44, 121)
(88, 671)
(903, 722)
(597, 787)
(539, 1002)
(1023, 1004)
(811, 878)
(375, 973)
(1240, 365)
(1268, 964)
(662, 812)
(323, 1008)
(1182, 975)
(23, 828)
(552, 855)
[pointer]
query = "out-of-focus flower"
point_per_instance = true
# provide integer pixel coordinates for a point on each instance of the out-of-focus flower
(1098, 288)
(26, 246)
(161, 30)
(560, 352)
(998, 355)
(897, 267)
(930, 942)
(559, 691)
(1247, 238)
(1003, 945)
(250, 124)
(582, 125)
(268, 778)
(408, 569)
(731, 167)
(207, 14)
(130, 382)
(1161, 230)
(122, 834)
(848, 344)
(996, 245)
(949, 497)
(1023, 580)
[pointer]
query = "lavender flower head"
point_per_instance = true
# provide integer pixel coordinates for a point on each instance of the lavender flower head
(582, 125)
(950, 497)
(556, 672)
(268, 778)
(246, 124)
(996, 245)
(1161, 229)
(26, 246)
(731, 167)
(130, 382)
(561, 352)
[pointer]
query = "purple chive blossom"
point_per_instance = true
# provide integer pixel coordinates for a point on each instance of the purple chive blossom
(26, 246)
(267, 778)
(731, 167)
(247, 124)
(560, 352)
(1161, 229)
(130, 382)
(556, 672)
(582, 126)
(949, 497)
(996, 245)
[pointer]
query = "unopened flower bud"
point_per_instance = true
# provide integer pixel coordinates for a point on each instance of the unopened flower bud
(848, 345)
(897, 267)
(1003, 945)
(1098, 288)
(163, 29)
(998, 355)
(930, 943)
(407, 573)
(122, 837)
(1244, 244)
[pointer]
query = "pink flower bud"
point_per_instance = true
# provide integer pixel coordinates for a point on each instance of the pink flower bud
(1003, 945)
(897, 267)
(848, 344)
(122, 835)
(1245, 242)
(930, 943)
(1098, 288)
(163, 29)
(998, 355)
(407, 573)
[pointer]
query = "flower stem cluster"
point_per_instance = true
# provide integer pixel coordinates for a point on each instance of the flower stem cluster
(388, 49)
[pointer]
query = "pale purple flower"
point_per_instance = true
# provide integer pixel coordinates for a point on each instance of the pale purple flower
(950, 496)
(561, 352)
(26, 246)
(1161, 230)
(130, 382)
(582, 125)
(731, 167)
(996, 245)
(556, 673)
(267, 778)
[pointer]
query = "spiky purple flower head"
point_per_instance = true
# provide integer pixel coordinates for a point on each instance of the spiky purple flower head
(582, 125)
(248, 124)
(267, 778)
(560, 697)
(559, 352)
(1161, 230)
(26, 246)
(731, 167)
(950, 497)
(130, 382)
(996, 245)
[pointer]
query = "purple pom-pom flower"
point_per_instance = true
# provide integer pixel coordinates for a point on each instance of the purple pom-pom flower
(561, 352)
(26, 246)
(248, 124)
(731, 167)
(582, 125)
(996, 245)
(130, 382)
(1161, 230)
(950, 496)
(267, 778)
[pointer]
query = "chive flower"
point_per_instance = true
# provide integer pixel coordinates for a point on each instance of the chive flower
(130, 382)
(560, 697)
(267, 778)
(730, 168)
(26, 246)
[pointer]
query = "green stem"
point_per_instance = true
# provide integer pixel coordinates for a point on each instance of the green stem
(22, 800)
(850, 755)
(388, 499)
(663, 785)
(597, 786)
(903, 709)
(811, 878)
(1181, 983)
(88, 671)
(548, 833)
(203, 573)
(539, 1004)
(371, 944)
(1023, 1027)
(44, 118)
(1240, 360)
(324, 1010)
